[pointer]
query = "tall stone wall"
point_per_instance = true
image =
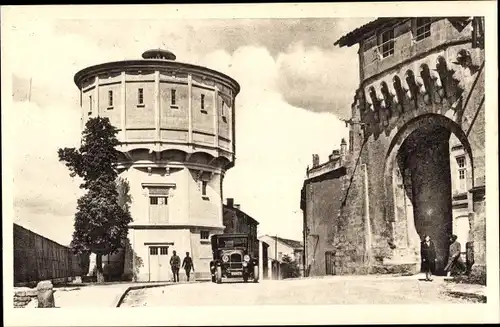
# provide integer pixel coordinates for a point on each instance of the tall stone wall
(352, 240)
(38, 258)
(323, 204)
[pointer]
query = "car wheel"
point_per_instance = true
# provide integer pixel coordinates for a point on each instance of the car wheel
(245, 278)
(219, 275)
(213, 279)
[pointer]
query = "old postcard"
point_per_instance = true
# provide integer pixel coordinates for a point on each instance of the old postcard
(250, 164)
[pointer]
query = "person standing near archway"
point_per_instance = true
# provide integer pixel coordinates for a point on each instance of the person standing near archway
(428, 253)
(455, 261)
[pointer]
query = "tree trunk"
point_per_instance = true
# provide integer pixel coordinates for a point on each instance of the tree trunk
(99, 270)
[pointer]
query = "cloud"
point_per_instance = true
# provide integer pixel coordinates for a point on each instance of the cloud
(318, 80)
(51, 58)
(274, 143)
(42, 185)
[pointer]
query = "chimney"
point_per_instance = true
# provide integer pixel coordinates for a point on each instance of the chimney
(335, 154)
(230, 202)
(343, 147)
(315, 160)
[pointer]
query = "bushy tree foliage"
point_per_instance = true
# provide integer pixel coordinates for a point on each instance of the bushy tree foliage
(289, 268)
(101, 220)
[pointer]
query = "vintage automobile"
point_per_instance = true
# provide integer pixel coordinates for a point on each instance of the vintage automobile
(234, 256)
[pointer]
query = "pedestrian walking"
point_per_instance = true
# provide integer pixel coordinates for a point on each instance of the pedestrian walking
(175, 263)
(455, 261)
(428, 254)
(187, 264)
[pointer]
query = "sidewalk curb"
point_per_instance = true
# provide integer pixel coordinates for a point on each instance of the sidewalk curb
(119, 299)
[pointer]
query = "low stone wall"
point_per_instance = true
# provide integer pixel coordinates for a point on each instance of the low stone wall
(23, 296)
(40, 297)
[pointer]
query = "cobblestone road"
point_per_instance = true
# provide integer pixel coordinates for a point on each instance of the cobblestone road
(321, 291)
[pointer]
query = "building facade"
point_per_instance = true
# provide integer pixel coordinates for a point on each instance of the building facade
(237, 221)
(415, 164)
(280, 247)
(177, 140)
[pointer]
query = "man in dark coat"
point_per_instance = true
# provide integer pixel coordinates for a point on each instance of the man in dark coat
(455, 261)
(187, 264)
(428, 253)
(175, 263)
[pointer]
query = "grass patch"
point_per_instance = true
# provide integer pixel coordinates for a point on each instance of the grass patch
(468, 296)
(464, 279)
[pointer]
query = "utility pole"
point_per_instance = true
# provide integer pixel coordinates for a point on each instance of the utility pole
(276, 256)
(29, 93)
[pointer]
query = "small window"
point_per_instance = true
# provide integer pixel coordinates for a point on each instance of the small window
(172, 97)
(223, 111)
(164, 250)
(204, 235)
(461, 174)
(153, 200)
(90, 104)
(110, 98)
(204, 188)
(423, 28)
(387, 46)
(202, 100)
(153, 250)
(163, 200)
(140, 96)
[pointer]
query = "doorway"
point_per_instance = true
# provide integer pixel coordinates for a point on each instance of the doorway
(424, 159)
(159, 268)
(330, 263)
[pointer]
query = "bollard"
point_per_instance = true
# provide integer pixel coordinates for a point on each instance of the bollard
(45, 294)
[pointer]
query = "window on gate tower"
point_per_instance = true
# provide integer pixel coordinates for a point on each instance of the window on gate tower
(462, 173)
(423, 28)
(386, 47)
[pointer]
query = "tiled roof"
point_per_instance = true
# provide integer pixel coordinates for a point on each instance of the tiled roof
(353, 37)
(291, 243)
(236, 212)
(356, 35)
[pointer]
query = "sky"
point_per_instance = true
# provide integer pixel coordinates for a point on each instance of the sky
(295, 85)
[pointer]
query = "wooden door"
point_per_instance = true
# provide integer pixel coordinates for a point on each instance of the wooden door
(153, 264)
(329, 261)
(163, 264)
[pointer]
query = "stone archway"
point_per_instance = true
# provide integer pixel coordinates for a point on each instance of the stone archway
(417, 185)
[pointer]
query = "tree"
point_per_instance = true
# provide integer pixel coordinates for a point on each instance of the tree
(132, 261)
(101, 223)
(289, 268)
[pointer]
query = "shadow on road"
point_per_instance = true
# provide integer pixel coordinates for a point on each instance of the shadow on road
(236, 282)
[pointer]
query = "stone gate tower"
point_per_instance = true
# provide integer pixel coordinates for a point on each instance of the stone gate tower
(177, 139)
(421, 88)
